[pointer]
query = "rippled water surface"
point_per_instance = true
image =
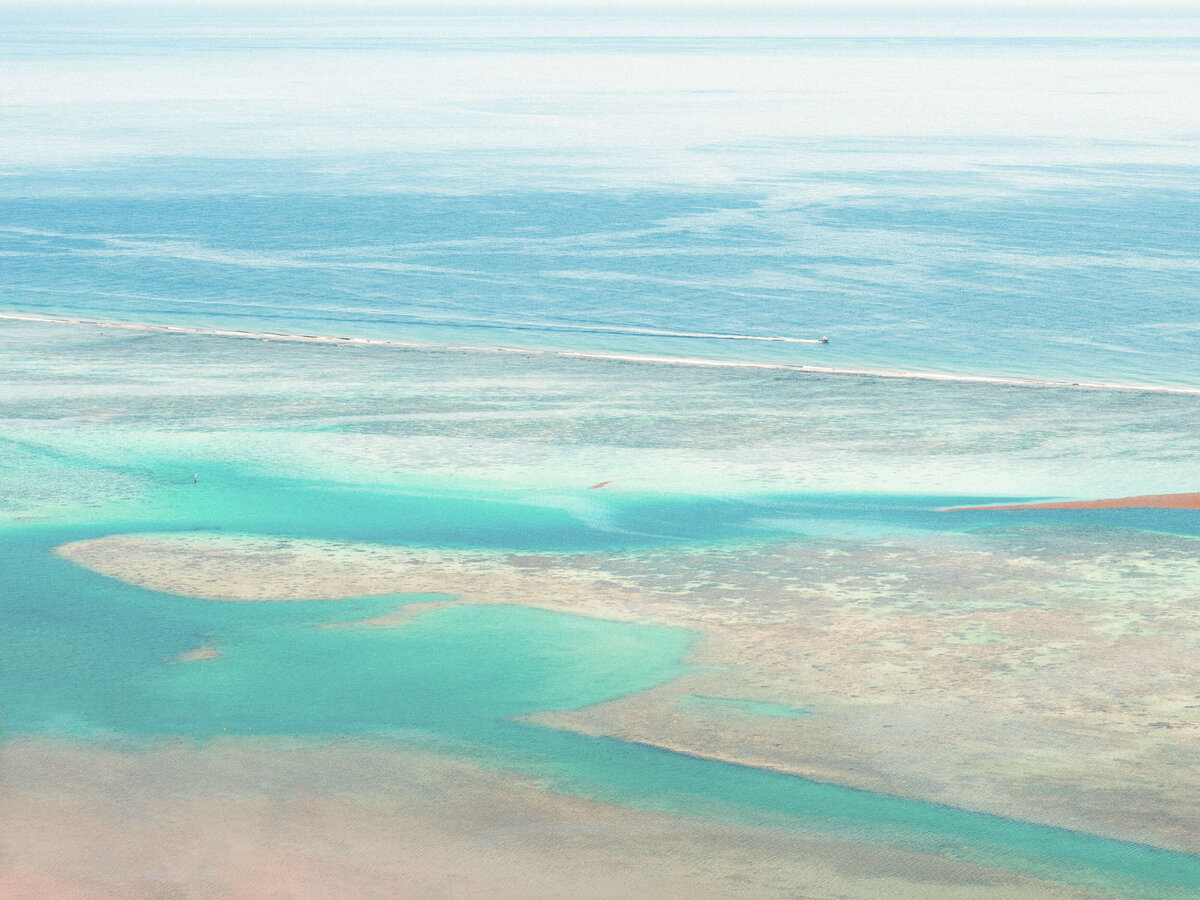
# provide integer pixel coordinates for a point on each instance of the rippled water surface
(972, 196)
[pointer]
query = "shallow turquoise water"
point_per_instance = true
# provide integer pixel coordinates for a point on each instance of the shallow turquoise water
(87, 656)
(241, 498)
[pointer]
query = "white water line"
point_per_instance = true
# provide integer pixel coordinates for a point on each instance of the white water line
(615, 357)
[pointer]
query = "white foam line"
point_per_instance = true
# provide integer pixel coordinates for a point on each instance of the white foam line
(614, 357)
(654, 332)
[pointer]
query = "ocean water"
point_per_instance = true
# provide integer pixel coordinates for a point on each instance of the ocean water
(977, 197)
(1004, 196)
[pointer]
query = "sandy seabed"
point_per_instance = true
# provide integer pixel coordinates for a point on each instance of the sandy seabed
(253, 818)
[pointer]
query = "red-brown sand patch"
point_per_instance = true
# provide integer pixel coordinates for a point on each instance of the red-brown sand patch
(1156, 501)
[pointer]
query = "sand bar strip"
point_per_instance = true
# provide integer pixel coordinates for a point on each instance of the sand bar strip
(1146, 501)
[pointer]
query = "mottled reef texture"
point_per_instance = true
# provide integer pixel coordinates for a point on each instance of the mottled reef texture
(1046, 675)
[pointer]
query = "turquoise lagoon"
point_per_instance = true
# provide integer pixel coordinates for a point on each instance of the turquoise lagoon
(717, 187)
(88, 658)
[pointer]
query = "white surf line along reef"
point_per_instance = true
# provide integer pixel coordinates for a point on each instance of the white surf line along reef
(649, 332)
(615, 357)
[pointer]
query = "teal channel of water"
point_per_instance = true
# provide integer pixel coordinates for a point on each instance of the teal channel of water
(90, 657)
(236, 497)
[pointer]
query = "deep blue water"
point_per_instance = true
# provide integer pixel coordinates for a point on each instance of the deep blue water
(975, 195)
(1063, 283)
